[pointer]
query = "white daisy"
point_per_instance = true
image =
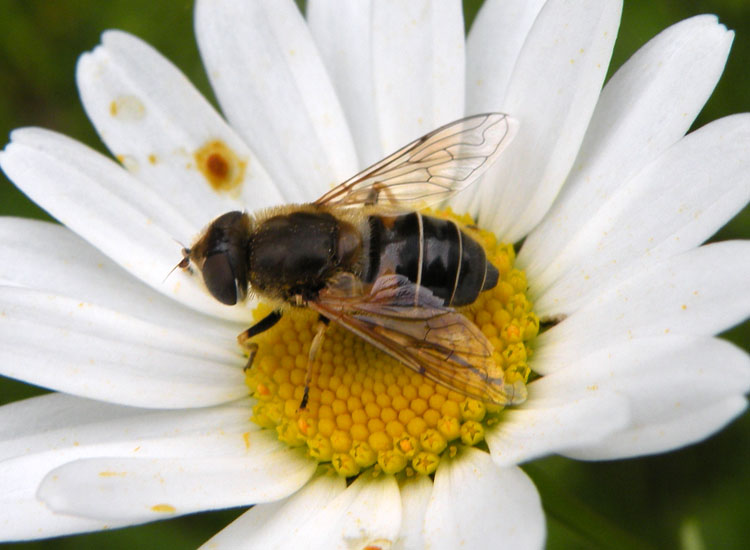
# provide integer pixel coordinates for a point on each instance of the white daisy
(610, 197)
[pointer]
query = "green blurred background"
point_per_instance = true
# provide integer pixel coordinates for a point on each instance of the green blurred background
(694, 498)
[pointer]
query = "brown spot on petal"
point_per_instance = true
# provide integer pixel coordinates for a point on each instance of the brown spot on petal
(220, 165)
(217, 165)
(127, 107)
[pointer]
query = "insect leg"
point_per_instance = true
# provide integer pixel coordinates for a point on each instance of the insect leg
(261, 326)
(314, 348)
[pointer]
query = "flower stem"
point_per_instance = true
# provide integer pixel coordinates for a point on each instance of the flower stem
(564, 508)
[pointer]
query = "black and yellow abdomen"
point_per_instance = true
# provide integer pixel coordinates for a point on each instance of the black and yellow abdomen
(431, 252)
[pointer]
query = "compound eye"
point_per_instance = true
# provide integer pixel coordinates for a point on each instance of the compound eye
(219, 278)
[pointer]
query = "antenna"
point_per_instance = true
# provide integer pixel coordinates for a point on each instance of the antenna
(184, 263)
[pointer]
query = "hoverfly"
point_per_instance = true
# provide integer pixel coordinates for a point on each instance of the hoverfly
(363, 256)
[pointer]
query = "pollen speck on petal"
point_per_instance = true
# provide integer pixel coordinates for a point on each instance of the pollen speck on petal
(163, 508)
(127, 108)
(129, 162)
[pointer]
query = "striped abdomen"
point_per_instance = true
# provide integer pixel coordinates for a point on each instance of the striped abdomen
(433, 253)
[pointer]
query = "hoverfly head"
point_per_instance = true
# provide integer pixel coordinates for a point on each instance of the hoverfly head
(221, 255)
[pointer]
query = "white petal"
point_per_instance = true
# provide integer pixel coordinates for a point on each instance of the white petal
(677, 432)
(45, 432)
(699, 292)
(568, 50)
(660, 376)
(415, 497)
(492, 48)
(647, 105)
(91, 351)
(109, 208)
(24, 516)
(322, 516)
(155, 122)
(674, 204)
(368, 513)
(343, 34)
(476, 504)
(71, 181)
(74, 428)
(274, 89)
(418, 64)
(665, 380)
(51, 258)
(495, 39)
(398, 67)
(272, 525)
(157, 488)
(540, 427)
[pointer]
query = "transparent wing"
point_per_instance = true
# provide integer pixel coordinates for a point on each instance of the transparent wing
(412, 325)
(430, 169)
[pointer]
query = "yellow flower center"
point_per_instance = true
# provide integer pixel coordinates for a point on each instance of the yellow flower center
(366, 409)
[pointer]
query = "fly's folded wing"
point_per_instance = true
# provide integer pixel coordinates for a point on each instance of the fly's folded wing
(413, 326)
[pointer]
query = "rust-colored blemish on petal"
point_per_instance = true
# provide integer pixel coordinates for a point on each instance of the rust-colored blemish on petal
(217, 165)
(220, 165)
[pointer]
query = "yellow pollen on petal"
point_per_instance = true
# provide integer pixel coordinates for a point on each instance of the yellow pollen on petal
(163, 508)
(367, 412)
